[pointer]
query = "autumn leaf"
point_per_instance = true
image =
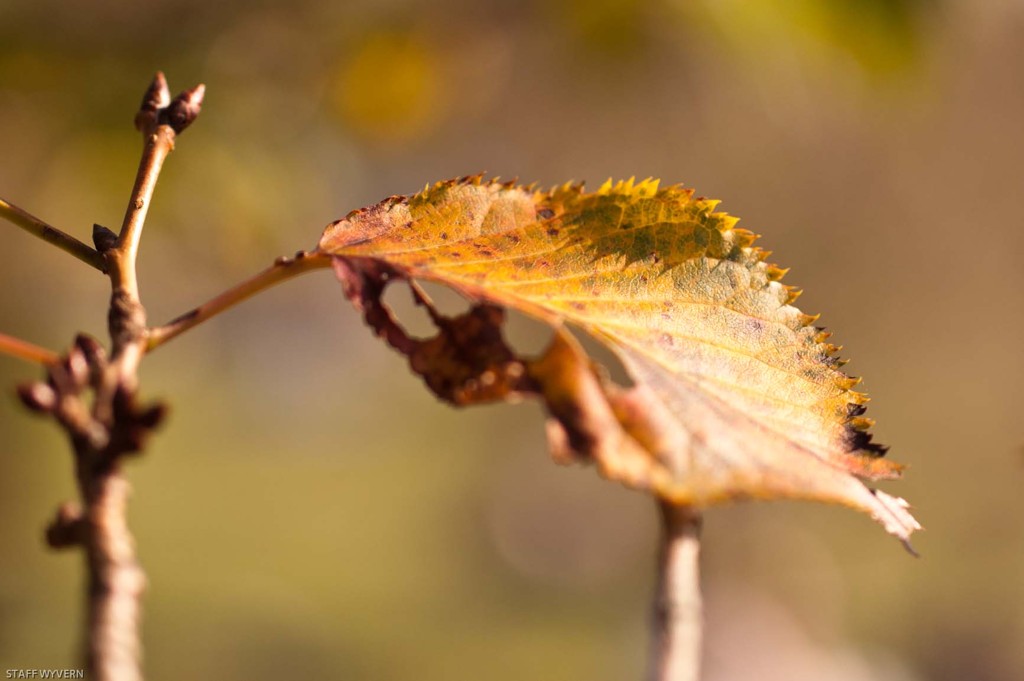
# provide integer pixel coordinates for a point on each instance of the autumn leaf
(736, 394)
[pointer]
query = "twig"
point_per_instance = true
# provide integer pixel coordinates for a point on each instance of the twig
(678, 619)
(160, 121)
(112, 426)
(15, 347)
(48, 233)
(116, 581)
(283, 269)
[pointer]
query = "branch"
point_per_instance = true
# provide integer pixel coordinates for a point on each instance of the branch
(111, 426)
(283, 269)
(116, 581)
(678, 617)
(50, 234)
(15, 347)
(160, 121)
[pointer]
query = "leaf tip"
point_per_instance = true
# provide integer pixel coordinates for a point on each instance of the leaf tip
(894, 515)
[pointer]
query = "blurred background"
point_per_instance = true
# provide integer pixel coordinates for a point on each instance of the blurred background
(310, 510)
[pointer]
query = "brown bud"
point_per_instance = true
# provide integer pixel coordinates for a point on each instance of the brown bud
(94, 353)
(103, 238)
(77, 368)
(157, 97)
(180, 113)
(39, 397)
(153, 416)
(67, 527)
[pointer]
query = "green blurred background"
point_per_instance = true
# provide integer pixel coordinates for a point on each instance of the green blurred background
(310, 511)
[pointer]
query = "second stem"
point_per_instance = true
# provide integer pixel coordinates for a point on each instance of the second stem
(678, 618)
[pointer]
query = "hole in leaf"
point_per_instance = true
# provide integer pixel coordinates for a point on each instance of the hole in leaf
(603, 356)
(527, 336)
(448, 302)
(412, 317)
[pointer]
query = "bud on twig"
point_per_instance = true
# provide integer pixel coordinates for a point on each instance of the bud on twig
(66, 529)
(39, 397)
(94, 352)
(103, 238)
(95, 356)
(132, 422)
(77, 368)
(152, 417)
(180, 113)
(157, 97)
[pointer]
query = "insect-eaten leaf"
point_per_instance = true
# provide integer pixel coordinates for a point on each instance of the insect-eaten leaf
(736, 393)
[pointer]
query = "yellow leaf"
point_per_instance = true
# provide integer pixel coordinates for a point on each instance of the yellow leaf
(736, 393)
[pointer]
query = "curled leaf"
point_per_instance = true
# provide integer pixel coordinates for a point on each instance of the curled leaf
(737, 394)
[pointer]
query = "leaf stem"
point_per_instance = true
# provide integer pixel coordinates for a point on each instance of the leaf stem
(678, 617)
(52, 235)
(283, 269)
(15, 347)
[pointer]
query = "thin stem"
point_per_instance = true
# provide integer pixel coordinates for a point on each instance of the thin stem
(678, 617)
(50, 234)
(158, 145)
(15, 347)
(282, 270)
(128, 317)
